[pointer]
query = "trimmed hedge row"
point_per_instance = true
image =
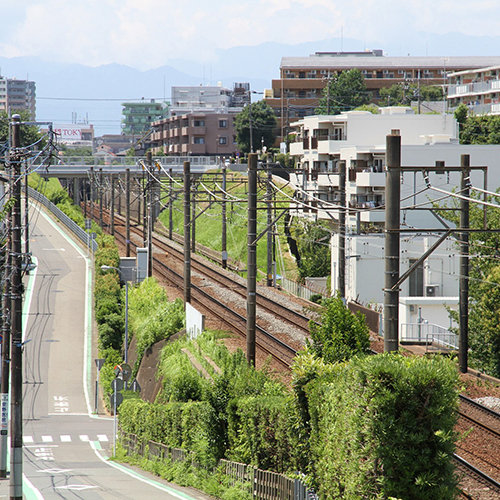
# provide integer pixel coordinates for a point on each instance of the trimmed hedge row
(384, 427)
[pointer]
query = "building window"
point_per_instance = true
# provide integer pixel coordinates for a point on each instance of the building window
(198, 140)
(222, 141)
(198, 123)
(416, 280)
(222, 123)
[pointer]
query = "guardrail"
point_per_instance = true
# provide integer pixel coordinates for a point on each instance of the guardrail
(265, 485)
(80, 233)
(430, 334)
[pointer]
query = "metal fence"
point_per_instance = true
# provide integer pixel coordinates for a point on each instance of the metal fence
(302, 291)
(431, 335)
(265, 485)
(80, 233)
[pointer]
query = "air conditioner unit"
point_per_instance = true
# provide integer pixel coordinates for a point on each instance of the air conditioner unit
(431, 290)
(287, 71)
(386, 71)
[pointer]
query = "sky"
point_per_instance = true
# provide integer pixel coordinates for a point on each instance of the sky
(146, 34)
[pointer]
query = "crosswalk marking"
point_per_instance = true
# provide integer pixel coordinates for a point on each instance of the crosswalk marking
(64, 438)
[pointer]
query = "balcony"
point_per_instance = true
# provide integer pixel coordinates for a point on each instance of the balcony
(472, 89)
(370, 179)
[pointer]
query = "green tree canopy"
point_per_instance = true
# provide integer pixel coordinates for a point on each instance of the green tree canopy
(29, 134)
(340, 334)
(313, 243)
(263, 122)
(403, 94)
(344, 91)
(478, 129)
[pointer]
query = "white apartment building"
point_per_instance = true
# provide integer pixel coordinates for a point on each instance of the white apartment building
(359, 140)
(479, 89)
(17, 95)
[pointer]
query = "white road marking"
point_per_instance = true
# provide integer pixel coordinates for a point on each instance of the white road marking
(76, 487)
(28, 439)
(66, 439)
(84, 438)
(47, 439)
(102, 437)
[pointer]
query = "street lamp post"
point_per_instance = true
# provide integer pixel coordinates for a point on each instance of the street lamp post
(107, 268)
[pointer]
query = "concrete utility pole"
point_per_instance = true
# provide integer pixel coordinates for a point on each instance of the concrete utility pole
(464, 266)
(392, 216)
(251, 257)
(112, 227)
(193, 219)
(127, 211)
(16, 435)
(92, 180)
(224, 218)
(101, 196)
(170, 204)
(269, 199)
(342, 230)
(150, 205)
(187, 232)
(5, 382)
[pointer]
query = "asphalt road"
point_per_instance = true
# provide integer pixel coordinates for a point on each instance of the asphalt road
(66, 446)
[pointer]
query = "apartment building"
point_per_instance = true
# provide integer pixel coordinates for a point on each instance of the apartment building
(358, 138)
(138, 115)
(296, 93)
(17, 95)
(203, 134)
(201, 121)
(478, 88)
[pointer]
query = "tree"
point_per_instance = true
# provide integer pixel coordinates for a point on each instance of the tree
(263, 123)
(341, 334)
(343, 92)
(403, 94)
(478, 129)
(313, 243)
(29, 134)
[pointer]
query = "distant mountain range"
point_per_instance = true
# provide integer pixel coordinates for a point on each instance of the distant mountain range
(65, 91)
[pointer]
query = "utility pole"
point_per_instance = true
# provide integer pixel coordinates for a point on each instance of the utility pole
(91, 193)
(101, 196)
(392, 219)
(16, 435)
(187, 232)
(251, 257)
(127, 211)
(464, 265)
(342, 229)
(149, 195)
(193, 220)
(5, 382)
(170, 205)
(224, 217)
(112, 227)
(269, 197)
(26, 214)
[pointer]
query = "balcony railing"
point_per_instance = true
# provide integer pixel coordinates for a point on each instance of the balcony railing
(430, 334)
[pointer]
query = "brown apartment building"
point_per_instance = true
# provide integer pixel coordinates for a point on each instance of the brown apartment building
(203, 134)
(297, 91)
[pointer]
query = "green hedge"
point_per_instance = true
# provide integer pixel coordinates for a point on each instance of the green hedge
(384, 427)
(179, 425)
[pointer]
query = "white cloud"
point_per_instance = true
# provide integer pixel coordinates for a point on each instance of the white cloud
(147, 33)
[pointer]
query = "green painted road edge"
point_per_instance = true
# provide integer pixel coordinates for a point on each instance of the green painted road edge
(34, 493)
(171, 491)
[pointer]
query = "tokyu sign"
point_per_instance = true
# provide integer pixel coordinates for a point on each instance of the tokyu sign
(68, 132)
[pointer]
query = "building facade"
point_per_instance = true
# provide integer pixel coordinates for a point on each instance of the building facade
(359, 139)
(17, 95)
(138, 115)
(201, 121)
(478, 88)
(297, 91)
(205, 134)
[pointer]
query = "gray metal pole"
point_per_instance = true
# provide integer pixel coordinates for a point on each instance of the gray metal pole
(392, 219)
(92, 182)
(26, 214)
(187, 232)
(112, 222)
(127, 211)
(16, 437)
(5, 382)
(464, 267)
(342, 229)
(224, 217)
(193, 220)
(150, 210)
(170, 206)
(251, 257)
(101, 196)
(269, 197)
